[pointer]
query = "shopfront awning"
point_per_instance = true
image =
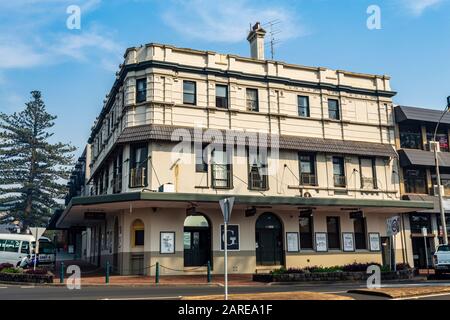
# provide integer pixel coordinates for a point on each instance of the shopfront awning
(413, 157)
(74, 214)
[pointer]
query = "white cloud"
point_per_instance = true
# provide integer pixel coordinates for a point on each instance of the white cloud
(227, 21)
(34, 44)
(417, 7)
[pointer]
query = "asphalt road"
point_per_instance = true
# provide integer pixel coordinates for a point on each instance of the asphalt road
(17, 292)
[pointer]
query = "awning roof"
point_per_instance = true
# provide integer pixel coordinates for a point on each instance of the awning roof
(413, 157)
(285, 142)
(403, 113)
(115, 202)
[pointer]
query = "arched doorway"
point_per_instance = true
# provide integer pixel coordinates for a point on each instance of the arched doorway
(269, 240)
(197, 241)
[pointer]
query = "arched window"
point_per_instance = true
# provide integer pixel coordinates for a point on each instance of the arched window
(137, 233)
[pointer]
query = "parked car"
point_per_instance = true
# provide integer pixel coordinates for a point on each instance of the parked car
(441, 259)
(14, 247)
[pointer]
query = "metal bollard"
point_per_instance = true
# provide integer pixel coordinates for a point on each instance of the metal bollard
(209, 272)
(107, 272)
(61, 273)
(157, 273)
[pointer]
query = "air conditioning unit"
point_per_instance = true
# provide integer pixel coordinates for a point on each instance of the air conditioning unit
(434, 144)
(167, 187)
(436, 190)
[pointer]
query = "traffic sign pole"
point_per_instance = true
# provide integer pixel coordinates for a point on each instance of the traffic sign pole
(226, 205)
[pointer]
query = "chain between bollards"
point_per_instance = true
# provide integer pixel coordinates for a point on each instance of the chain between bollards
(61, 273)
(157, 273)
(208, 276)
(107, 272)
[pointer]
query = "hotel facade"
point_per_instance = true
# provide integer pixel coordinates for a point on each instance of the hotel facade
(308, 154)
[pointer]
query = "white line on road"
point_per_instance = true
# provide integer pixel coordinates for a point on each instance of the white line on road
(424, 296)
(27, 287)
(143, 298)
(3, 287)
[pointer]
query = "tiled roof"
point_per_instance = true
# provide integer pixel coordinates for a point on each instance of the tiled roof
(174, 133)
(403, 113)
(413, 157)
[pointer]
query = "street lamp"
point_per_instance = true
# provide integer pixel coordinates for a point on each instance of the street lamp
(438, 175)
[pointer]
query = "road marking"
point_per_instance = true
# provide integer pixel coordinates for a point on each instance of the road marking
(27, 287)
(143, 298)
(424, 296)
(3, 287)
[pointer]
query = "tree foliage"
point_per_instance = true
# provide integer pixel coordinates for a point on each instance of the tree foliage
(32, 170)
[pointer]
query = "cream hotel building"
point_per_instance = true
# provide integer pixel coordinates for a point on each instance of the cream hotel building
(332, 178)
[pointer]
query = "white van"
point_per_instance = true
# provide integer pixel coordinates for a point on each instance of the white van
(14, 247)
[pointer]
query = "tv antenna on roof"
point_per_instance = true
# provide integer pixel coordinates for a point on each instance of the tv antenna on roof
(274, 29)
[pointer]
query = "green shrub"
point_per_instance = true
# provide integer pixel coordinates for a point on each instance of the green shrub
(11, 270)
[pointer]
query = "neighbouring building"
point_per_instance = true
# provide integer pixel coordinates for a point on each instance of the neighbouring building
(415, 131)
(319, 194)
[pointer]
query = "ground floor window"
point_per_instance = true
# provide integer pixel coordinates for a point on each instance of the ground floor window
(359, 225)
(306, 231)
(333, 230)
(418, 221)
(137, 233)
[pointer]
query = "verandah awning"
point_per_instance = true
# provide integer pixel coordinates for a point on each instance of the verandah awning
(116, 202)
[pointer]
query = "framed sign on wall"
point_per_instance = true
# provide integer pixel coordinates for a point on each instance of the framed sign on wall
(374, 242)
(292, 243)
(233, 237)
(167, 242)
(321, 242)
(348, 242)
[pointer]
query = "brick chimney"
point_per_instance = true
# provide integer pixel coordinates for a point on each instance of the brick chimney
(256, 39)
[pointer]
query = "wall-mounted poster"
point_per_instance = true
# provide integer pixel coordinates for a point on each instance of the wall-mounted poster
(167, 242)
(348, 241)
(321, 242)
(233, 237)
(292, 242)
(374, 241)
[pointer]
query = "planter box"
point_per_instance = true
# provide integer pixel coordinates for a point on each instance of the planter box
(26, 278)
(331, 276)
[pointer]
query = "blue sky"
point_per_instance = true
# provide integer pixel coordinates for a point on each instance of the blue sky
(74, 69)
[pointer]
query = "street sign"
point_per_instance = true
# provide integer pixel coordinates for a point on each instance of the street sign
(37, 232)
(424, 232)
(227, 206)
(393, 226)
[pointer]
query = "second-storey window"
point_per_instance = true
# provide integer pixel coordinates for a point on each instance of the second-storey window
(303, 106)
(257, 170)
(221, 169)
(339, 172)
(201, 161)
(334, 233)
(441, 137)
(410, 136)
(307, 167)
(189, 92)
(138, 166)
(141, 90)
(415, 180)
(117, 173)
(333, 109)
(221, 96)
(368, 173)
(252, 100)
